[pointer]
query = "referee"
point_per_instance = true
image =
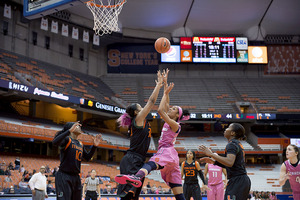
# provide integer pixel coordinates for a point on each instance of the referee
(92, 187)
(67, 179)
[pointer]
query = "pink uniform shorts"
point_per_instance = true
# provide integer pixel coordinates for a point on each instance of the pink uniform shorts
(168, 158)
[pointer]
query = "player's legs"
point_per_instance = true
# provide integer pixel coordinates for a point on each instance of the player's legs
(238, 188)
(130, 164)
(77, 189)
(63, 185)
(187, 191)
(210, 193)
(177, 190)
(219, 191)
(196, 192)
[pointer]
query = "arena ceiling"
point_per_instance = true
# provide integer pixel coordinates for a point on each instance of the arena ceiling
(209, 17)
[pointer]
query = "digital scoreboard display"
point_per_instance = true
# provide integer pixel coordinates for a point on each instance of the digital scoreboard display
(214, 50)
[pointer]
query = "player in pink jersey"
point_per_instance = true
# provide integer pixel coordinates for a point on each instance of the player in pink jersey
(215, 181)
(166, 159)
(290, 169)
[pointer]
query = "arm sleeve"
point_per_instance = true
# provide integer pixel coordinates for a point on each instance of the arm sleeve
(61, 139)
(202, 176)
(88, 155)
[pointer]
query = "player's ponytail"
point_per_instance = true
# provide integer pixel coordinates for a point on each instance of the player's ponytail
(183, 114)
(126, 118)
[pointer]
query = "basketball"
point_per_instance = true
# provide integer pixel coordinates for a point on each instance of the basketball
(162, 45)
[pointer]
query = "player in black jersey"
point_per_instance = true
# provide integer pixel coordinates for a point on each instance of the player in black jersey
(67, 179)
(139, 132)
(239, 184)
(190, 170)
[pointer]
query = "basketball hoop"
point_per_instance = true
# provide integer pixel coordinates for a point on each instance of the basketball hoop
(105, 14)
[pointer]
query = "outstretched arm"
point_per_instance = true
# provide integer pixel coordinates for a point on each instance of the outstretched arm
(161, 109)
(165, 81)
(152, 99)
(88, 155)
(227, 161)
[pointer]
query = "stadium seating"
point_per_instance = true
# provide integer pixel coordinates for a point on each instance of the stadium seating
(31, 163)
(217, 95)
(264, 178)
(216, 143)
(31, 72)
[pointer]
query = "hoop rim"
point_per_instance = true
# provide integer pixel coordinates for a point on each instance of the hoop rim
(101, 6)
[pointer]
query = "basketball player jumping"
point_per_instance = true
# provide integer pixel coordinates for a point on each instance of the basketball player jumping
(166, 159)
(140, 135)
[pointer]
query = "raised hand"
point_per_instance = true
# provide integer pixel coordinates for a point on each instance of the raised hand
(76, 127)
(205, 150)
(97, 139)
(165, 75)
(159, 80)
(169, 88)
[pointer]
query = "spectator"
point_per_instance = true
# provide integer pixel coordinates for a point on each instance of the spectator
(144, 190)
(26, 176)
(148, 185)
(22, 169)
(54, 171)
(7, 172)
(109, 189)
(8, 179)
(159, 190)
(273, 196)
(23, 184)
(17, 163)
(47, 169)
(11, 190)
(38, 185)
(10, 166)
(1, 170)
(50, 188)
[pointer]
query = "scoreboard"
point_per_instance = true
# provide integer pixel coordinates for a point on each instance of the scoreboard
(214, 50)
(228, 116)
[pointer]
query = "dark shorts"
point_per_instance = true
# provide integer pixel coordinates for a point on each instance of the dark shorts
(130, 164)
(238, 188)
(192, 190)
(91, 195)
(68, 187)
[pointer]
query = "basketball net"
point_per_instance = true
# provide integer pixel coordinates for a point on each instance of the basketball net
(105, 14)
